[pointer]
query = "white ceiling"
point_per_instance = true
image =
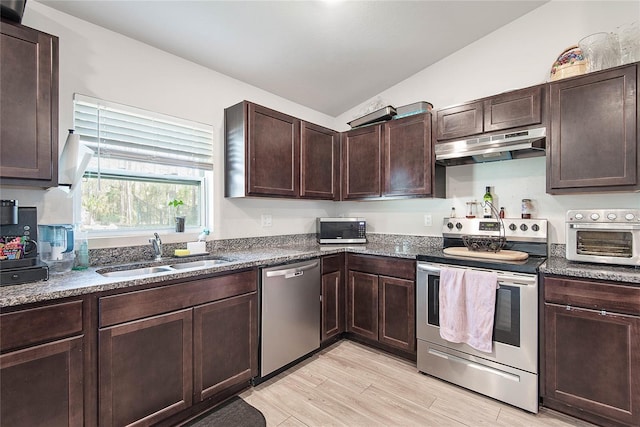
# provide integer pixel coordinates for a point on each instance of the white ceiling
(328, 56)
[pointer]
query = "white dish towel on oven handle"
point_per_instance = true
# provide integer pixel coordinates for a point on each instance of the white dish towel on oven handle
(467, 306)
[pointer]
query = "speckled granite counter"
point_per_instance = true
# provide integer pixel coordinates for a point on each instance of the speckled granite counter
(562, 267)
(75, 283)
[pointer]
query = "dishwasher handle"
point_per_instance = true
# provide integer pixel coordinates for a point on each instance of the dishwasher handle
(288, 273)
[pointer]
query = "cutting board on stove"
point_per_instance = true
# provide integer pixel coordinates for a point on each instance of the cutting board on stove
(503, 255)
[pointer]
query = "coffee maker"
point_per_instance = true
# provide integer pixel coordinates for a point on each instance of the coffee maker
(19, 261)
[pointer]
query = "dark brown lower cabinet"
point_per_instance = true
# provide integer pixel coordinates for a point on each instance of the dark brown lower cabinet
(592, 356)
(42, 385)
(168, 351)
(146, 369)
(42, 365)
(381, 308)
(225, 345)
(333, 297)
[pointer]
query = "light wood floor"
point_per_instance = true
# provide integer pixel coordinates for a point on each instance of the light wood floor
(349, 384)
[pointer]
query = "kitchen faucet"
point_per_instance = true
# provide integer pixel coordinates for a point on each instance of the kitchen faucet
(156, 243)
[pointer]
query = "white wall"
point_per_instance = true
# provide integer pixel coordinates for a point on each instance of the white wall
(100, 63)
(517, 55)
(107, 65)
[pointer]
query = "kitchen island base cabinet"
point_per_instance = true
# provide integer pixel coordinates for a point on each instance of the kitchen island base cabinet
(380, 308)
(591, 354)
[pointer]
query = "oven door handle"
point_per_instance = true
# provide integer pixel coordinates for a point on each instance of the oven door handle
(503, 278)
(607, 227)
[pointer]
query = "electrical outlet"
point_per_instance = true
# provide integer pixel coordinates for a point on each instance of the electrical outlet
(266, 220)
(427, 220)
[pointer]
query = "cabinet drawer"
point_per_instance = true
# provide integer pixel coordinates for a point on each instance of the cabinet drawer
(149, 302)
(513, 109)
(41, 324)
(591, 294)
(385, 266)
(331, 263)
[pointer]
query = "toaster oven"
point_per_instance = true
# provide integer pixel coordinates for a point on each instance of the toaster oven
(609, 236)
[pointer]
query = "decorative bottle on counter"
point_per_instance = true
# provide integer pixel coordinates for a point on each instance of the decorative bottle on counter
(488, 202)
(453, 213)
(501, 212)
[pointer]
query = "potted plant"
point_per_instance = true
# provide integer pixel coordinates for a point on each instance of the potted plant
(180, 219)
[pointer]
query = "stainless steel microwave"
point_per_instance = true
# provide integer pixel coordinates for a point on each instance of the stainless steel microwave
(341, 230)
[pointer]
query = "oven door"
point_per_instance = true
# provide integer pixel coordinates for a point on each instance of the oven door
(515, 333)
(610, 243)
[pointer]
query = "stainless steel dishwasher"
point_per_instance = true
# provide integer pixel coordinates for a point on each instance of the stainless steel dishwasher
(290, 312)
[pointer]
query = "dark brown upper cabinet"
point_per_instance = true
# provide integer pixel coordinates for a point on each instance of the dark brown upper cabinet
(28, 106)
(518, 108)
(393, 159)
(271, 154)
(408, 157)
(319, 162)
(362, 163)
(594, 133)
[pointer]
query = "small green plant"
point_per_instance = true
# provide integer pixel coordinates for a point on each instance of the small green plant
(176, 203)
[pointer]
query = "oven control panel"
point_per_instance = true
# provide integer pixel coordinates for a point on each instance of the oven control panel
(604, 216)
(511, 228)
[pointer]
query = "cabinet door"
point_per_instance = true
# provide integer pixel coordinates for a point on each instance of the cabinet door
(273, 152)
(28, 107)
(319, 162)
(513, 109)
(459, 121)
(407, 156)
(362, 163)
(363, 304)
(225, 345)
(594, 140)
(43, 385)
(592, 363)
(145, 369)
(332, 305)
(397, 313)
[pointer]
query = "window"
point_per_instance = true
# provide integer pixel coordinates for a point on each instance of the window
(143, 160)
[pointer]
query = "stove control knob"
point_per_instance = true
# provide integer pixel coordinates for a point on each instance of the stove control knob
(512, 227)
(629, 217)
(611, 216)
(594, 216)
(459, 226)
(579, 216)
(535, 227)
(449, 225)
(524, 227)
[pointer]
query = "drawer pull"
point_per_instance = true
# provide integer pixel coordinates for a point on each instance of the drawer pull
(603, 312)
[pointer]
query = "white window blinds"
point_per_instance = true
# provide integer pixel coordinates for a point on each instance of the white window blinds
(129, 133)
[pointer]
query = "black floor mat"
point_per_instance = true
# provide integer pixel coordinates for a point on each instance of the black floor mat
(233, 413)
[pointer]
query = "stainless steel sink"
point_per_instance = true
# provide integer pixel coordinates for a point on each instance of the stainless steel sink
(138, 271)
(207, 263)
(193, 265)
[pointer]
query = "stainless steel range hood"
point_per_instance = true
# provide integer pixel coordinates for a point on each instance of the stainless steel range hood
(490, 148)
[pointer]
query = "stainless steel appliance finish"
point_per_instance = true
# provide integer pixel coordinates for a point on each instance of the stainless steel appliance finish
(290, 312)
(510, 372)
(609, 236)
(341, 230)
(489, 148)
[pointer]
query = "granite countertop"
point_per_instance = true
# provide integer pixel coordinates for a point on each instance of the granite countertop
(75, 283)
(562, 267)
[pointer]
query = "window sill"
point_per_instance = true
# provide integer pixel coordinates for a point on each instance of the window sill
(139, 238)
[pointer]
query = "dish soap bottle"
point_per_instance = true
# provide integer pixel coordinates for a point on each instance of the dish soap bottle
(488, 203)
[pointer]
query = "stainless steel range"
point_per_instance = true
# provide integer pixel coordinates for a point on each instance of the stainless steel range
(510, 371)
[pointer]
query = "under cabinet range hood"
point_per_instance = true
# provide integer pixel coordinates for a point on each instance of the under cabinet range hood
(490, 148)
